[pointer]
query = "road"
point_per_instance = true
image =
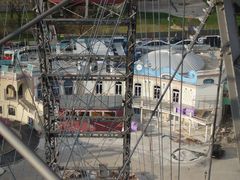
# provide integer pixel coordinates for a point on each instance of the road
(193, 8)
(146, 162)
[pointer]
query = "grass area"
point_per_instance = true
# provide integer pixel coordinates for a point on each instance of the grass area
(11, 21)
(146, 22)
(146, 19)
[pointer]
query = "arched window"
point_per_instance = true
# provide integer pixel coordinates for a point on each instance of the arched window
(137, 89)
(166, 76)
(68, 87)
(118, 88)
(156, 92)
(20, 91)
(99, 88)
(10, 92)
(39, 91)
(208, 81)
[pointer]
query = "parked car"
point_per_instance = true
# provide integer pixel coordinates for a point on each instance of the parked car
(185, 43)
(151, 46)
(212, 40)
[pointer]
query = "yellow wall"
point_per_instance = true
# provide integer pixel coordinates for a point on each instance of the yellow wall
(24, 106)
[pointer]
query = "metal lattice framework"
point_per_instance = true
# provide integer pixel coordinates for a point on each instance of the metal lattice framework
(230, 52)
(47, 77)
(48, 98)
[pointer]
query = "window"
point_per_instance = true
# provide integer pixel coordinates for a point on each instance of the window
(137, 111)
(55, 88)
(118, 90)
(30, 121)
(165, 76)
(10, 92)
(175, 95)
(8, 56)
(108, 68)
(83, 113)
(20, 91)
(24, 57)
(11, 110)
(99, 87)
(163, 86)
(94, 67)
(137, 90)
(109, 114)
(39, 91)
(0, 109)
(208, 81)
(157, 92)
(68, 87)
(96, 113)
(152, 44)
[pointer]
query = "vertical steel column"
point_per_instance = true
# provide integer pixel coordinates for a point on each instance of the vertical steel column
(131, 35)
(47, 98)
(47, 94)
(231, 53)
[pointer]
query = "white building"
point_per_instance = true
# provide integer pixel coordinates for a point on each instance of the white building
(194, 87)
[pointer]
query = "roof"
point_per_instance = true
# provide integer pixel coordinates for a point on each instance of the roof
(90, 102)
(163, 58)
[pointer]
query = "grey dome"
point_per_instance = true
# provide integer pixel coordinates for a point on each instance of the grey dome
(154, 59)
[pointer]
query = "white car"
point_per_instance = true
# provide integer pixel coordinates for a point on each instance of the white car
(151, 46)
(185, 43)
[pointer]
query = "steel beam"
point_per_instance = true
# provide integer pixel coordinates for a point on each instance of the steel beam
(82, 57)
(48, 99)
(90, 168)
(131, 36)
(95, 134)
(86, 77)
(34, 21)
(29, 155)
(83, 21)
(97, 118)
(231, 52)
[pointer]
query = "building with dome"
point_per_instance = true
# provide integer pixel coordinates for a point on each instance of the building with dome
(192, 94)
(195, 75)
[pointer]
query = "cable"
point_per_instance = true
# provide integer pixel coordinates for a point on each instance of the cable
(170, 88)
(170, 81)
(160, 129)
(181, 93)
(215, 119)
